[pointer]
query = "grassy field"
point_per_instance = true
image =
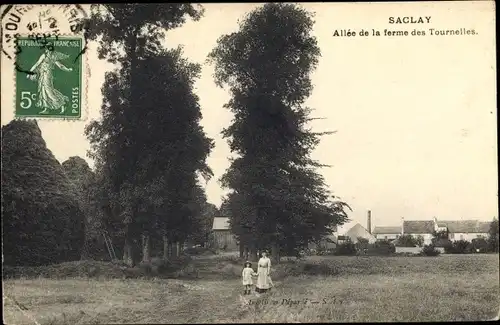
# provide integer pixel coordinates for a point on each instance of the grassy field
(346, 289)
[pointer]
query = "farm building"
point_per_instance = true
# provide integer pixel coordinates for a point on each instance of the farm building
(457, 230)
(222, 238)
(424, 228)
(387, 233)
(359, 231)
(467, 229)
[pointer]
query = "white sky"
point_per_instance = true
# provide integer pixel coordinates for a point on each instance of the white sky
(416, 116)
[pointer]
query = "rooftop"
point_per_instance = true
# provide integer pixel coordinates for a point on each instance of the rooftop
(359, 231)
(387, 230)
(418, 227)
(467, 226)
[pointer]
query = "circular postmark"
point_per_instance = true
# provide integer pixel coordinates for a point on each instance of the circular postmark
(46, 43)
(41, 23)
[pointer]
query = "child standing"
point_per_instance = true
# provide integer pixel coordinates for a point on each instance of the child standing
(247, 277)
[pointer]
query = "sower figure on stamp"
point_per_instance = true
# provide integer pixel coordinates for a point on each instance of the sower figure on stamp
(48, 96)
(264, 282)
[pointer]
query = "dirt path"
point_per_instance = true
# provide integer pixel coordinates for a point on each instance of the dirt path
(214, 302)
(215, 299)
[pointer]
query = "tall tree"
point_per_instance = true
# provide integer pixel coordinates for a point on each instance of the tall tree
(266, 65)
(42, 218)
(145, 101)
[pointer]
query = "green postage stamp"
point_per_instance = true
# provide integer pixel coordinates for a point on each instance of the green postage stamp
(49, 77)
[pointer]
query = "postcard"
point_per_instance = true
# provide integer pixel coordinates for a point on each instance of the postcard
(249, 163)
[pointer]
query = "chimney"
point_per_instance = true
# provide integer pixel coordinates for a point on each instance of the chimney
(369, 221)
(402, 225)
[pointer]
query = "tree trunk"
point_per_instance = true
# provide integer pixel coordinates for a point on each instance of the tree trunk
(180, 247)
(275, 253)
(128, 259)
(127, 253)
(177, 249)
(84, 255)
(242, 250)
(146, 252)
(253, 253)
(169, 249)
(165, 248)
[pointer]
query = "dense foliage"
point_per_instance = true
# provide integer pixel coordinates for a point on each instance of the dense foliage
(83, 180)
(441, 239)
(493, 238)
(204, 223)
(149, 145)
(362, 243)
(479, 245)
(458, 247)
(381, 247)
(43, 221)
(277, 197)
(346, 248)
(430, 250)
(409, 241)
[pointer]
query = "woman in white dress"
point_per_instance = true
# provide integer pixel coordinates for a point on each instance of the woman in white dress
(264, 282)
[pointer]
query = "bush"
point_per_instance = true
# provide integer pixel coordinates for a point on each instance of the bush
(479, 245)
(327, 251)
(441, 242)
(362, 244)
(458, 247)
(430, 250)
(311, 252)
(381, 247)
(407, 241)
(347, 248)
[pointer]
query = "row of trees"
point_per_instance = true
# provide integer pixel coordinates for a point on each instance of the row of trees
(277, 198)
(149, 147)
(51, 212)
(150, 150)
(149, 173)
